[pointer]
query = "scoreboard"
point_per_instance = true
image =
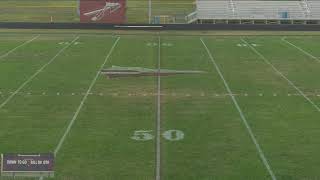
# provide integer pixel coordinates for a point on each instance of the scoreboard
(34, 165)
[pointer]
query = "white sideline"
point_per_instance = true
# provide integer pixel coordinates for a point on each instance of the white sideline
(21, 45)
(118, 26)
(34, 75)
(282, 75)
(244, 120)
(158, 141)
(84, 99)
(300, 49)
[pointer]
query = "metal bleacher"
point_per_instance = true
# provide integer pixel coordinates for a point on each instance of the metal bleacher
(314, 9)
(250, 11)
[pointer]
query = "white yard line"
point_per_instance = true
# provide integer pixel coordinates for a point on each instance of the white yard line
(21, 45)
(300, 49)
(58, 147)
(34, 75)
(244, 120)
(282, 75)
(158, 139)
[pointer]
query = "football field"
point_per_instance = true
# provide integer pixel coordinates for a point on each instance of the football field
(252, 111)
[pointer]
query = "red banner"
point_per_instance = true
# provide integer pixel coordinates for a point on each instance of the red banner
(103, 11)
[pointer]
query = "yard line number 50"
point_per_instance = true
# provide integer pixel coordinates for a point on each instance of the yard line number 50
(147, 135)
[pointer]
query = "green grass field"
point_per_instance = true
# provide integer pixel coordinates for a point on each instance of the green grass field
(254, 114)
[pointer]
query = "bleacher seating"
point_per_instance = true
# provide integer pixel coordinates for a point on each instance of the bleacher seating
(269, 9)
(314, 9)
(257, 10)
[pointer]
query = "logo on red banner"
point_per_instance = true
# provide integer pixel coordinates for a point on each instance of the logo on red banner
(103, 11)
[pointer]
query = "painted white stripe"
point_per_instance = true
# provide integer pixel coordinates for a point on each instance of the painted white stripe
(117, 26)
(244, 120)
(34, 75)
(300, 49)
(282, 75)
(21, 45)
(158, 141)
(29, 155)
(58, 147)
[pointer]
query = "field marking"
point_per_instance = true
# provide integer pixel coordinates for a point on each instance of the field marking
(21, 45)
(146, 135)
(34, 75)
(244, 120)
(61, 141)
(282, 75)
(300, 49)
(158, 126)
(122, 26)
(168, 135)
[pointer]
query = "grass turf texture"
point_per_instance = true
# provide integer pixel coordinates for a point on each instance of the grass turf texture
(216, 144)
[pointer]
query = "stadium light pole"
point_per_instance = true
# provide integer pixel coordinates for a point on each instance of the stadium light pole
(150, 10)
(78, 10)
